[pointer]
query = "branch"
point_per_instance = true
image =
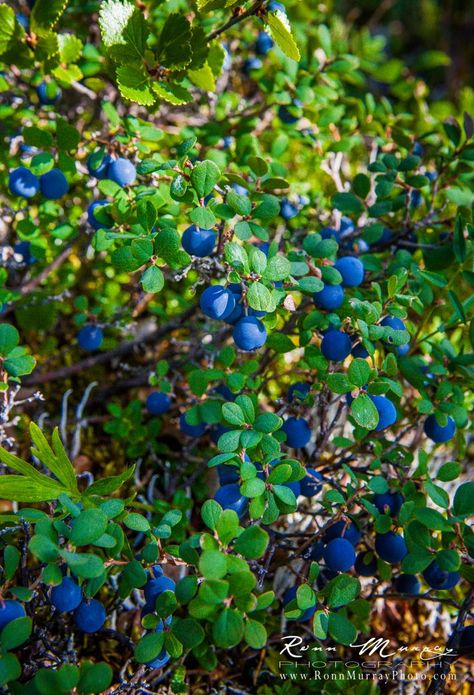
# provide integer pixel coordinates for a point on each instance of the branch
(106, 357)
(235, 20)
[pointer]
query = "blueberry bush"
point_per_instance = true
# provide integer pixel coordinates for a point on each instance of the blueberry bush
(236, 348)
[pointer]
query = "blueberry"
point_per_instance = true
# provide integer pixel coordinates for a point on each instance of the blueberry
(365, 565)
(343, 529)
(359, 351)
(198, 242)
(217, 302)
(191, 430)
(23, 249)
(389, 500)
(48, 93)
(249, 333)
(439, 433)
(287, 209)
(466, 640)
(251, 64)
(67, 595)
(217, 431)
(54, 184)
(23, 20)
(352, 271)
(90, 337)
(390, 547)
(331, 297)
(98, 168)
(276, 7)
(155, 587)
(435, 576)
(158, 403)
(407, 584)
(227, 141)
(155, 571)
(402, 350)
(159, 661)
(336, 345)
(91, 218)
(394, 323)
(330, 233)
(228, 474)
(298, 432)
(122, 171)
(290, 595)
(10, 610)
(312, 483)
(230, 497)
(295, 487)
(23, 182)
(298, 391)
(264, 43)
(452, 580)
(315, 551)
(386, 410)
(90, 616)
(288, 114)
(339, 555)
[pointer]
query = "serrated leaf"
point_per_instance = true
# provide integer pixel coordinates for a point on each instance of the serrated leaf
(70, 48)
(174, 44)
(113, 18)
(45, 14)
(203, 78)
(280, 31)
(174, 93)
(134, 84)
(7, 26)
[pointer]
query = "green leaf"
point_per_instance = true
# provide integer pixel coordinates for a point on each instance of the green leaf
(189, 632)
(233, 414)
(342, 590)
(15, 633)
(152, 280)
(7, 26)
(463, 503)
(108, 485)
(213, 564)
(148, 647)
(268, 422)
(347, 202)
(114, 16)
(137, 522)
(203, 78)
(22, 489)
(134, 84)
(65, 470)
(280, 30)
(364, 412)
(278, 269)
(259, 297)
(439, 496)
(174, 44)
(252, 542)
(43, 548)
(172, 92)
(10, 668)
(9, 338)
(358, 372)
(255, 634)
(70, 48)
(341, 629)
(95, 678)
(45, 14)
(88, 527)
(449, 471)
(204, 177)
(228, 629)
(85, 565)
